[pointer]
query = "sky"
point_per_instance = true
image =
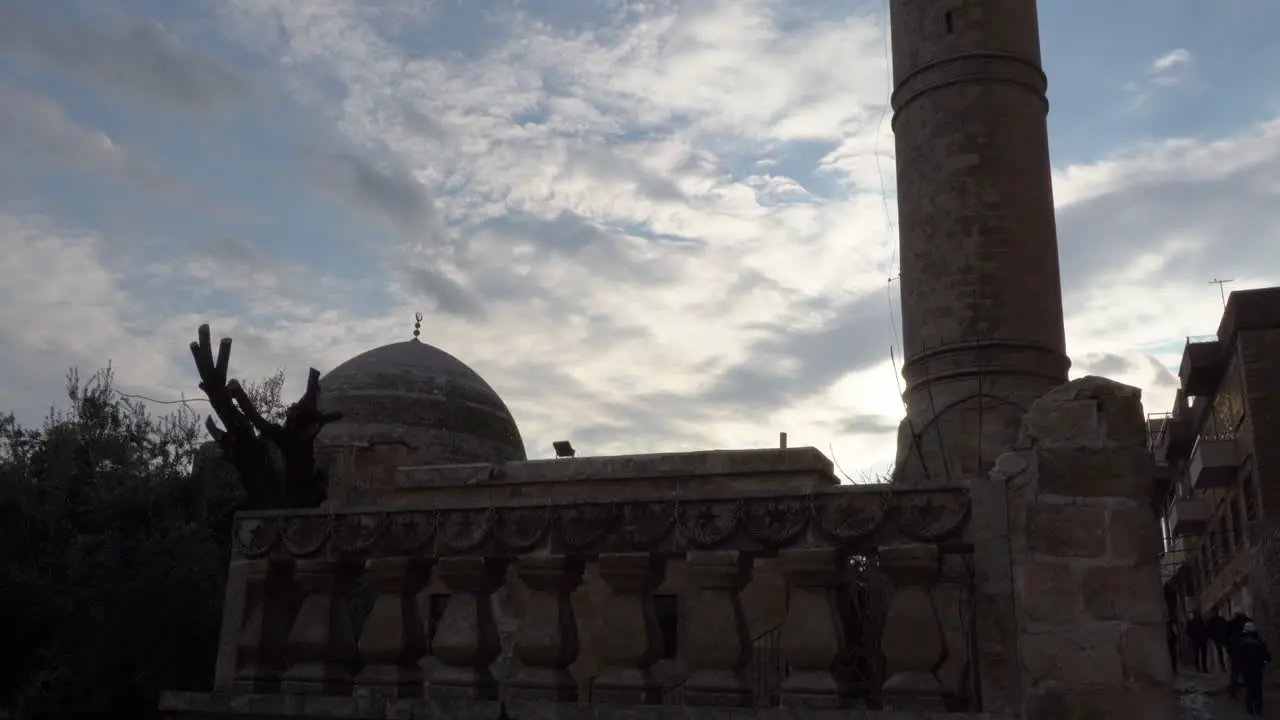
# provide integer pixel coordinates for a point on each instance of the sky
(650, 225)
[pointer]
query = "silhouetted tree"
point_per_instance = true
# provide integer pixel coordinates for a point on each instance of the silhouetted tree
(274, 460)
(113, 557)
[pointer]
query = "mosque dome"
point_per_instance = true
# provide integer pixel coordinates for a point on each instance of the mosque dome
(422, 397)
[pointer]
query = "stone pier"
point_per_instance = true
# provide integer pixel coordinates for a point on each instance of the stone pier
(1077, 564)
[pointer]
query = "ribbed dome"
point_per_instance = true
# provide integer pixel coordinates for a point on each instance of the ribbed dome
(424, 397)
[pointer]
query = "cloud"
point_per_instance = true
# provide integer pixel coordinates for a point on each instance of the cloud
(793, 362)
(387, 192)
(663, 226)
(36, 132)
(1164, 65)
(1163, 73)
(1171, 211)
(448, 295)
(142, 58)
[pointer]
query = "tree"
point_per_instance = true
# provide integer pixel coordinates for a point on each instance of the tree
(113, 556)
(275, 461)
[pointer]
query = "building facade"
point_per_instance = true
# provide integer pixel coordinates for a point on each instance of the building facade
(1217, 454)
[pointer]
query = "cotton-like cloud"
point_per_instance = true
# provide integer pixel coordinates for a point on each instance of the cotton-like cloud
(1170, 61)
(665, 226)
(1164, 72)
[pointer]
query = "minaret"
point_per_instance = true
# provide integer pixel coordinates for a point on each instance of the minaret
(981, 293)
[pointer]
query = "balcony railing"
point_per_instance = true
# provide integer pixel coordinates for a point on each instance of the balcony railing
(1214, 461)
(1202, 365)
(286, 629)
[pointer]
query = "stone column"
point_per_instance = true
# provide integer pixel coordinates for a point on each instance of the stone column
(1085, 548)
(466, 642)
(814, 633)
(717, 643)
(631, 643)
(546, 641)
(912, 642)
(995, 616)
(321, 650)
(392, 642)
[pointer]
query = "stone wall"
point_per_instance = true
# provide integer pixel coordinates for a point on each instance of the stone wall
(304, 707)
(1258, 352)
(1071, 615)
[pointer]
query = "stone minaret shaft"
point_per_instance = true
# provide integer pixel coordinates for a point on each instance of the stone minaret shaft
(981, 293)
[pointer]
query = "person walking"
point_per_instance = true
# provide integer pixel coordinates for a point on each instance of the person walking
(1235, 629)
(1251, 657)
(1198, 633)
(1218, 634)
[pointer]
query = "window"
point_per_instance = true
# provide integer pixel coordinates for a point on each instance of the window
(667, 608)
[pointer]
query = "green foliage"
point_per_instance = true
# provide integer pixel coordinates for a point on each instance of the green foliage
(268, 396)
(113, 556)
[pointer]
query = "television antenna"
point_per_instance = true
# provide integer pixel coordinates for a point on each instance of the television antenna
(1221, 290)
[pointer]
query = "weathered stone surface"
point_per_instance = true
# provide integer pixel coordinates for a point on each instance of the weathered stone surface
(1103, 472)
(979, 279)
(1123, 593)
(1078, 531)
(1050, 591)
(1070, 424)
(1063, 416)
(997, 652)
(1092, 643)
(1088, 655)
(1146, 654)
(1135, 536)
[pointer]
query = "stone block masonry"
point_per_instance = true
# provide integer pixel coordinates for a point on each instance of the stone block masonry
(1082, 573)
(982, 324)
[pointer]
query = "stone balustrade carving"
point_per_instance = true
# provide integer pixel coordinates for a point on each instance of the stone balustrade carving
(852, 517)
(469, 550)
(546, 642)
(393, 641)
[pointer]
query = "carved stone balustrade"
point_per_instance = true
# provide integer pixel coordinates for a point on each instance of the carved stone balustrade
(466, 642)
(297, 629)
(546, 641)
(813, 635)
(393, 641)
(632, 644)
(321, 650)
(718, 643)
(913, 643)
